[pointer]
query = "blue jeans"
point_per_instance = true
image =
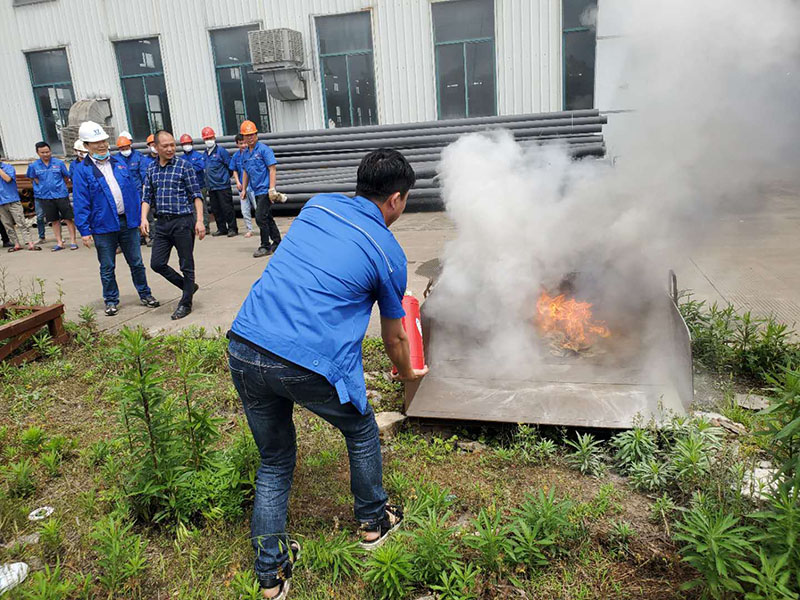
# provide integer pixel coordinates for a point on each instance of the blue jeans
(39, 217)
(106, 244)
(269, 389)
(248, 208)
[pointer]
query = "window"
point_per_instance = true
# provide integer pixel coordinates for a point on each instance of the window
(53, 93)
(463, 34)
(142, 77)
(348, 74)
(579, 51)
(242, 93)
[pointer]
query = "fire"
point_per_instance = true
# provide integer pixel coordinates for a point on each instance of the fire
(569, 321)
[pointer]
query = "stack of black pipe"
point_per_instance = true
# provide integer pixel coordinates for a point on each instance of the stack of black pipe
(326, 160)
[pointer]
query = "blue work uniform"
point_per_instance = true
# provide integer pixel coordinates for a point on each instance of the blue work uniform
(48, 180)
(93, 203)
(257, 163)
(8, 189)
(134, 164)
(313, 302)
(218, 169)
(198, 162)
(236, 164)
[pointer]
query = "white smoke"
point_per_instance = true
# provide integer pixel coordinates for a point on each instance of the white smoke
(715, 85)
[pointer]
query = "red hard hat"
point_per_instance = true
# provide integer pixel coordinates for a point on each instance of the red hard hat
(186, 139)
(207, 133)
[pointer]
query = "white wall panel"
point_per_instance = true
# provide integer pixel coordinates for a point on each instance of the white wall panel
(527, 46)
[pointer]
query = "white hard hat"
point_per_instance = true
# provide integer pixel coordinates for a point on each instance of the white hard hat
(92, 132)
(126, 134)
(79, 147)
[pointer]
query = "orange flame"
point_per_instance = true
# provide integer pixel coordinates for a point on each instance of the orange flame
(570, 319)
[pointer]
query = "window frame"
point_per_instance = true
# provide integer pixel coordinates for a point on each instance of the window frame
(242, 66)
(322, 56)
(143, 77)
(54, 85)
(464, 43)
(565, 31)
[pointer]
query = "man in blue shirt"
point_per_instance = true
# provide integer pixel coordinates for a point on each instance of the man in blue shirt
(49, 176)
(170, 188)
(80, 154)
(133, 160)
(107, 212)
(297, 340)
(11, 214)
(248, 202)
(260, 173)
(198, 162)
(148, 158)
(218, 182)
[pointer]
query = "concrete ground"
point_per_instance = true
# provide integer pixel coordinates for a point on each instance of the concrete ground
(750, 260)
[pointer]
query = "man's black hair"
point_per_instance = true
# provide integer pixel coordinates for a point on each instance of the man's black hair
(239, 137)
(41, 145)
(159, 132)
(382, 173)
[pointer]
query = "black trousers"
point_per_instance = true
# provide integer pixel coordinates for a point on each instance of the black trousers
(4, 234)
(222, 206)
(177, 232)
(266, 222)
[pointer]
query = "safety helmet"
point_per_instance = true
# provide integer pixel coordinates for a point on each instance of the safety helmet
(207, 133)
(89, 131)
(151, 139)
(123, 140)
(79, 147)
(186, 139)
(248, 127)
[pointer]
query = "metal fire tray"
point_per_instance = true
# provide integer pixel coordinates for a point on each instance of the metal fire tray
(612, 391)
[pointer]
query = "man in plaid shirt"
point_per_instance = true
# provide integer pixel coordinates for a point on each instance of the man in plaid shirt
(172, 191)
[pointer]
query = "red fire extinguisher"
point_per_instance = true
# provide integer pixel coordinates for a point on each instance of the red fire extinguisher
(413, 328)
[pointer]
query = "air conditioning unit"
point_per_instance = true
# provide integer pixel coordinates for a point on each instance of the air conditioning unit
(276, 49)
(278, 55)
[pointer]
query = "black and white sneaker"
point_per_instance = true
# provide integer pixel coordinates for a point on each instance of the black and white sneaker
(391, 521)
(111, 309)
(150, 302)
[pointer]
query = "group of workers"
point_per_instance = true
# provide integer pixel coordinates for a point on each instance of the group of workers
(125, 200)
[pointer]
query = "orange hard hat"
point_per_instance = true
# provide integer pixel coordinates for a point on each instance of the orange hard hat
(186, 139)
(151, 139)
(123, 141)
(207, 133)
(248, 127)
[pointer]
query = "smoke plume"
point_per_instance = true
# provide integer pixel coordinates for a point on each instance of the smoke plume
(714, 90)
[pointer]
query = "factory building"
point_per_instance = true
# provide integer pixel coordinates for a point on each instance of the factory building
(186, 64)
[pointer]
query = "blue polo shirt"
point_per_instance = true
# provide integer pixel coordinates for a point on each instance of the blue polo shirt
(50, 179)
(218, 170)
(198, 162)
(313, 302)
(257, 163)
(8, 190)
(237, 165)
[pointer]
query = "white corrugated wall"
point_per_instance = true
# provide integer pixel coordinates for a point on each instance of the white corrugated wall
(527, 48)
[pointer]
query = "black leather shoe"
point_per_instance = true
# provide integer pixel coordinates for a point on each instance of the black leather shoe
(181, 311)
(232, 233)
(274, 247)
(150, 302)
(196, 287)
(261, 252)
(218, 233)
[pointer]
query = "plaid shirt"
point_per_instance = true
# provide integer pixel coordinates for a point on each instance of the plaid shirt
(171, 189)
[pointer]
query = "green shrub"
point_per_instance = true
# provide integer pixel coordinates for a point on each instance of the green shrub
(20, 478)
(771, 579)
(120, 555)
(32, 439)
(337, 557)
(780, 529)
(490, 539)
(717, 547)
(782, 424)
(690, 460)
(50, 536)
(587, 456)
(47, 585)
(428, 496)
(458, 583)
(633, 447)
(389, 570)
(650, 475)
(662, 509)
(432, 545)
(528, 546)
(51, 461)
(620, 535)
(245, 586)
(546, 513)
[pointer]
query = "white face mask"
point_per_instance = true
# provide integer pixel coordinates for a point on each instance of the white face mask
(126, 153)
(187, 147)
(210, 144)
(153, 150)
